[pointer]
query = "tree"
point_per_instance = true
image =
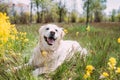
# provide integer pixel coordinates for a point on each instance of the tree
(42, 7)
(94, 7)
(61, 10)
(99, 6)
(86, 7)
(118, 15)
(37, 3)
(4, 8)
(113, 15)
(31, 7)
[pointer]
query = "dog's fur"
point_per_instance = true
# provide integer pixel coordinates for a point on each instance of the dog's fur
(57, 50)
(51, 50)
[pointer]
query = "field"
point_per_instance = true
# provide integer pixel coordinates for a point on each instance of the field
(101, 42)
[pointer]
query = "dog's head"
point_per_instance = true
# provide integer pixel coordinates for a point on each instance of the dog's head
(51, 34)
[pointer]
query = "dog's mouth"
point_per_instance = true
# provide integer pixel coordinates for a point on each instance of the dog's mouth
(49, 40)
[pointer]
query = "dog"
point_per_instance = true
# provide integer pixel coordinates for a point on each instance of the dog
(51, 50)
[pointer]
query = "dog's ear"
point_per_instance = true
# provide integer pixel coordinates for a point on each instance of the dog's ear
(40, 30)
(62, 33)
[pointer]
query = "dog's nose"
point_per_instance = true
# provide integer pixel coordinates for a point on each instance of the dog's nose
(52, 33)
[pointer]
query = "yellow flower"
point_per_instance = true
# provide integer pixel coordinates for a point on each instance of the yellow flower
(17, 38)
(12, 37)
(77, 33)
(6, 29)
(88, 28)
(66, 31)
(88, 73)
(90, 68)
(118, 40)
(3, 16)
(26, 40)
(104, 75)
(112, 62)
(118, 70)
(86, 76)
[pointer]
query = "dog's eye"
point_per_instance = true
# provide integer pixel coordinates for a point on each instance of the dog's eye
(56, 30)
(47, 28)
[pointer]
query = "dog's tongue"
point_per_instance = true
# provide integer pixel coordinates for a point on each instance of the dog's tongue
(50, 41)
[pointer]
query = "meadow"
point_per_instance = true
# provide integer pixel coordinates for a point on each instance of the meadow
(103, 56)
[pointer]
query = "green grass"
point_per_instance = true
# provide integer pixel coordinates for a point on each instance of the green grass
(101, 43)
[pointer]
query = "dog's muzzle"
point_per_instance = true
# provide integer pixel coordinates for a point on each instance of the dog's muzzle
(51, 39)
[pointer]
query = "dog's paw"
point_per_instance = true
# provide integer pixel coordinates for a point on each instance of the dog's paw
(35, 72)
(84, 52)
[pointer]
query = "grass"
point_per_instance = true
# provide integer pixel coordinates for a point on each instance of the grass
(101, 43)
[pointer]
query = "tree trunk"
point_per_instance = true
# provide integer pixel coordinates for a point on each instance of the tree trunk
(87, 17)
(38, 13)
(98, 16)
(31, 12)
(60, 15)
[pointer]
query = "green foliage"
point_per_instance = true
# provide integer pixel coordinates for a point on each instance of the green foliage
(81, 19)
(74, 17)
(3, 8)
(118, 17)
(23, 18)
(95, 7)
(45, 6)
(113, 15)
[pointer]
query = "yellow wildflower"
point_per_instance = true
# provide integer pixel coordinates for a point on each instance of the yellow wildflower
(24, 33)
(26, 40)
(6, 29)
(89, 68)
(3, 16)
(118, 40)
(118, 70)
(88, 73)
(112, 62)
(77, 33)
(86, 76)
(104, 75)
(16, 38)
(12, 37)
(66, 31)
(88, 28)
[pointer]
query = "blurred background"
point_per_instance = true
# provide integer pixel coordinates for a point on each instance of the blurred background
(67, 11)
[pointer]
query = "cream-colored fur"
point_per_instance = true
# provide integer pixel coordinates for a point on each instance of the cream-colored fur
(56, 53)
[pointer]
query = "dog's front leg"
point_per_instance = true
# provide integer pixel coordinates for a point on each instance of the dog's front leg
(40, 70)
(83, 51)
(36, 72)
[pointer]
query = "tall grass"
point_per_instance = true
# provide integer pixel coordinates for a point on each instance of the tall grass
(101, 43)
